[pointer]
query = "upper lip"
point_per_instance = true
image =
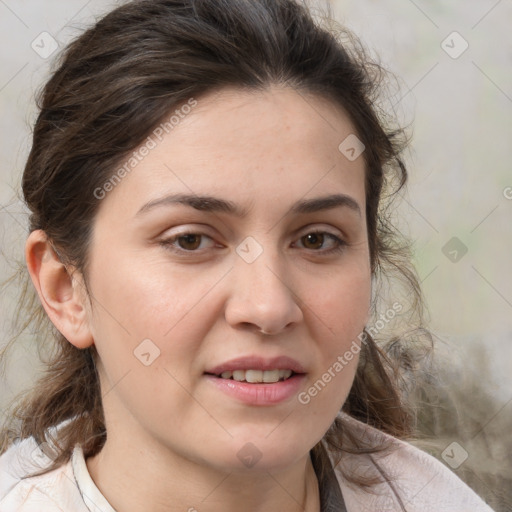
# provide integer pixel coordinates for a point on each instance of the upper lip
(258, 363)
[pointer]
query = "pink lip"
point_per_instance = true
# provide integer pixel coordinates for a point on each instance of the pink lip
(259, 394)
(258, 363)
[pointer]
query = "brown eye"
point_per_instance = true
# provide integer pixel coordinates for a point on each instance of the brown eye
(315, 239)
(189, 242)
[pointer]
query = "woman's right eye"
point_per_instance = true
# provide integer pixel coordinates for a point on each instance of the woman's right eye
(184, 242)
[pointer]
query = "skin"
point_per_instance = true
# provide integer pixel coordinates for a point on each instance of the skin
(172, 436)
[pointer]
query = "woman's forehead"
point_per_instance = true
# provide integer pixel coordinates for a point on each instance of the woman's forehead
(264, 145)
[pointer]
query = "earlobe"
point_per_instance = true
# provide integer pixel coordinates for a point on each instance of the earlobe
(59, 291)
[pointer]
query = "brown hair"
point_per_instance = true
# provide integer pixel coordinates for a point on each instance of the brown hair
(119, 80)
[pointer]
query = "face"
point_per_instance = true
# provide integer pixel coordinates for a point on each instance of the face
(182, 290)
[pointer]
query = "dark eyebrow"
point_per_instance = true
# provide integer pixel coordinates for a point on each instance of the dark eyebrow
(330, 202)
(202, 203)
(215, 204)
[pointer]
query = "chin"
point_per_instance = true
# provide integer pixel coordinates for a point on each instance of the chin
(260, 453)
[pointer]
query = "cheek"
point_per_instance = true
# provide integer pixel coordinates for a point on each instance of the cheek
(137, 295)
(344, 315)
(135, 302)
(341, 306)
(340, 312)
(148, 327)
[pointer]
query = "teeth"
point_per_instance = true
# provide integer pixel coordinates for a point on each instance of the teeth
(257, 376)
(239, 375)
(270, 375)
(254, 376)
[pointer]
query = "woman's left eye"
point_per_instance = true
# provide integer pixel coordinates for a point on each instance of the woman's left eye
(316, 238)
(192, 242)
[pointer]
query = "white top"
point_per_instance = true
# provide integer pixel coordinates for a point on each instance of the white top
(423, 482)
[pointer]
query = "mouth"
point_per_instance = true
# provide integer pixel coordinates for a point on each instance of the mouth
(257, 376)
(254, 380)
(253, 387)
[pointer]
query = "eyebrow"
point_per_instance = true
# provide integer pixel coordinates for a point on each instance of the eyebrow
(216, 204)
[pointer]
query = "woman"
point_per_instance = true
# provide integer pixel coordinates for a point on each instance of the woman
(209, 239)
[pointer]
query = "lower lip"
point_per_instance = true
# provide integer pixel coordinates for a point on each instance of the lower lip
(259, 394)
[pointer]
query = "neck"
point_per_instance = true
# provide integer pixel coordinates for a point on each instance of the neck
(156, 480)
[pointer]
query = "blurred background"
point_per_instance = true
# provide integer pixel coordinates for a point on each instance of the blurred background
(453, 61)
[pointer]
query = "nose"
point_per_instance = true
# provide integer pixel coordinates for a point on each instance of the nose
(261, 297)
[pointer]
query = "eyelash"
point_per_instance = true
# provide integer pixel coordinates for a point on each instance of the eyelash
(339, 247)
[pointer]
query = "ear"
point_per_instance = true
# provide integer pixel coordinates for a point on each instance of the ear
(62, 294)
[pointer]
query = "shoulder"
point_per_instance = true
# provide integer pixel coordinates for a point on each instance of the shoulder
(53, 491)
(422, 482)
